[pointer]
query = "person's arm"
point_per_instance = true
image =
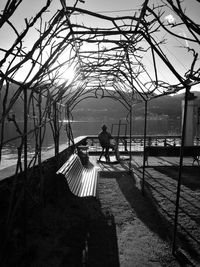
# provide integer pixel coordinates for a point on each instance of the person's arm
(110, 136)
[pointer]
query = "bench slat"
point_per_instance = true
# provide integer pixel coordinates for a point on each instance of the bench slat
(89, 183)
(82, 181)
(75, 181)
(94, 174)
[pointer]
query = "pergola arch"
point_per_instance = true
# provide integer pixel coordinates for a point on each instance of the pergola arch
(109, 53)
(91, 35)
(110, 59)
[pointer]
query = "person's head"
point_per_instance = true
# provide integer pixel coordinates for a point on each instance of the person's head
(104, 127)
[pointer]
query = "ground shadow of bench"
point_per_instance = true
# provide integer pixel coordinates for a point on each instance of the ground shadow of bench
(100, 245)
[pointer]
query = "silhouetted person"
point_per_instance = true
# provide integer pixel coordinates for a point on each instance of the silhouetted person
(104, 139)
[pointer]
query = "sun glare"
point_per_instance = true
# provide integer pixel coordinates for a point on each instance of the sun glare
(69, 75)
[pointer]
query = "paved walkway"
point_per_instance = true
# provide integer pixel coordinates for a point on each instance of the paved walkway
(138, 223)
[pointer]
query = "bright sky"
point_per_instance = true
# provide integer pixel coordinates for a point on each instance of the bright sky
(177, 56)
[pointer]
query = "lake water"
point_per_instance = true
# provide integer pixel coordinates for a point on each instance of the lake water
(155, 127)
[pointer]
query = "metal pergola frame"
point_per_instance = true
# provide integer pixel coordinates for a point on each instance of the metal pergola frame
(112, 64)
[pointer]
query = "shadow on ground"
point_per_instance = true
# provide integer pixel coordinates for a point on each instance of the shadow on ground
(66, 231)
(102, 242)
(162, 188)
(141, 205)
(190, 175)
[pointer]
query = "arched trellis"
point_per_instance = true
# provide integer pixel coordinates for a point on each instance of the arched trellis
(116, 70)
(100, 93)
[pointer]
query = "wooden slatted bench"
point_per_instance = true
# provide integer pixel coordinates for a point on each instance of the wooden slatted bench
(172, 151)
(82, 181)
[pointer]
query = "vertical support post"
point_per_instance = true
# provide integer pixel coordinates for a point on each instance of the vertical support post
(118, 133)
(25, 139)
(130, 137)
(69, 129)
(40, 148)
(189, 131)
(125, 130)
(187, 91)
(56, 130)
(67, 125)
(40, 129)
(144, 146)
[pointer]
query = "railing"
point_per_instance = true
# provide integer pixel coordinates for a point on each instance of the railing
(137, 142)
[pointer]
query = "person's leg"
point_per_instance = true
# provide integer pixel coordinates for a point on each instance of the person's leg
(117, 154)
(107, 154)
(102, 151)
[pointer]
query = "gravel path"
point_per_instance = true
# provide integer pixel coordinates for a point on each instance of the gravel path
(136, 233)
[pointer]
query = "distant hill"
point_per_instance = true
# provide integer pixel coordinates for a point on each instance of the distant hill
(169, 105)
(107, 108)
(165, 105)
